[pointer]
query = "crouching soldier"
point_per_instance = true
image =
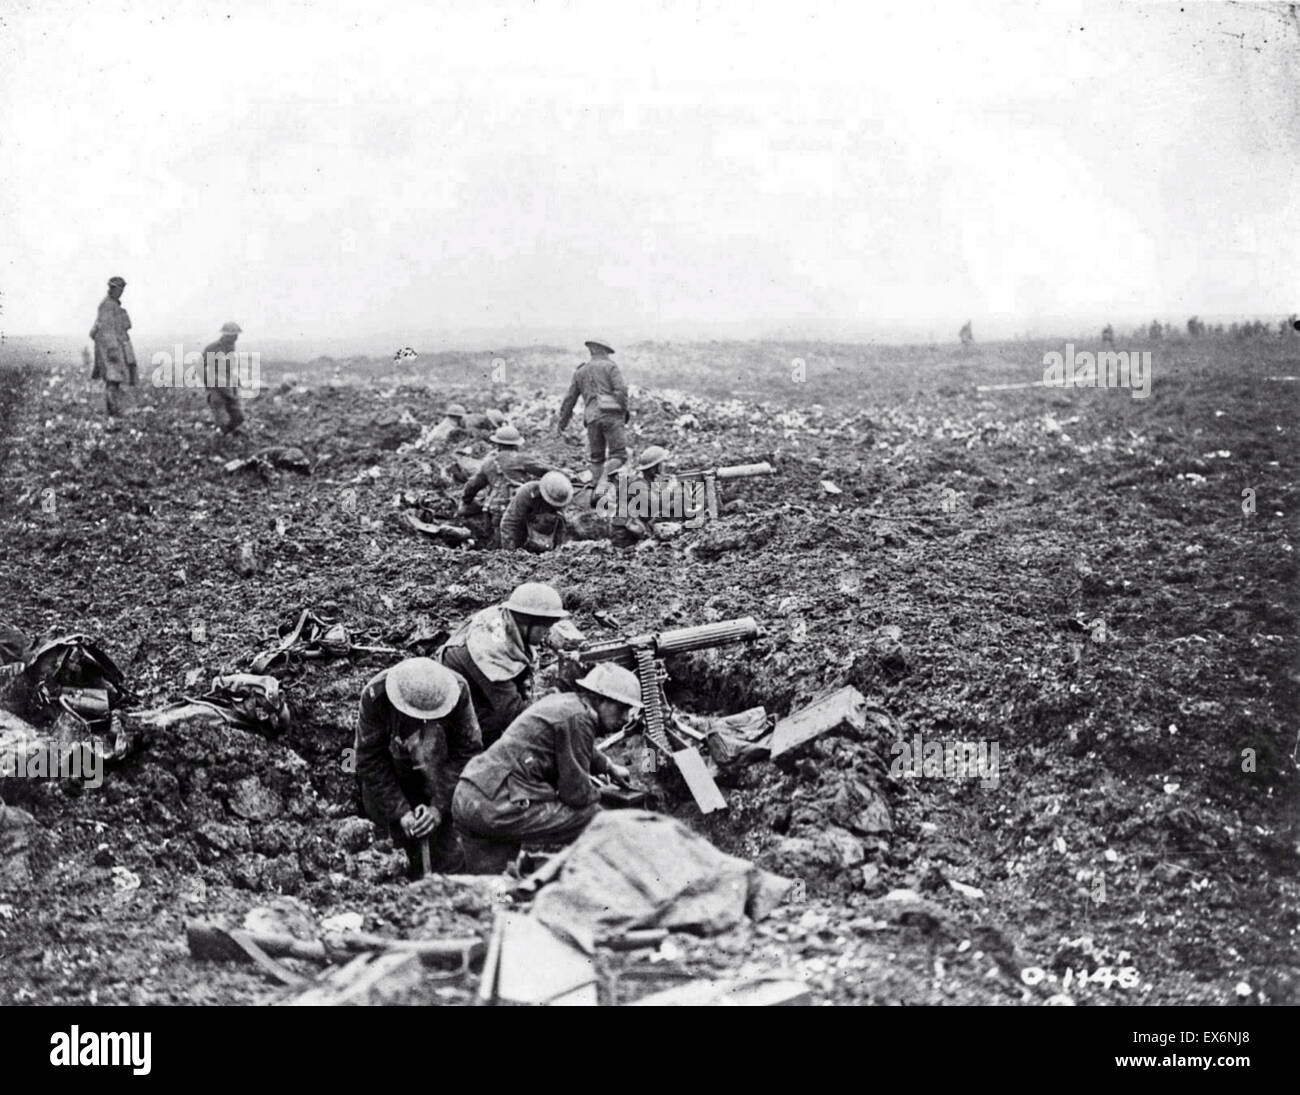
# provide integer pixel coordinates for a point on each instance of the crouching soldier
(503, 472)
(417, 730)
(534, 520)
(534, 783)
(495, 650)
(634, 513)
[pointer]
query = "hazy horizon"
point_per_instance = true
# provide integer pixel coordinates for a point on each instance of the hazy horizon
(463, 175)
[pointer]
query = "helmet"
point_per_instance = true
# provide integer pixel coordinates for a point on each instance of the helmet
(598, 347)
(556, 488)
(422, 688)
(536, 599)
(651, 457)
(116, 281)
(455, 410)
(507, 435)
(231, 329)
(613, 682)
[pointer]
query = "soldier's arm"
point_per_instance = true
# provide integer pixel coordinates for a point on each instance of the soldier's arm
(570, 401)
(573, 757)
(477, 482)
(464, 742)
(619, 385)
(374, 762)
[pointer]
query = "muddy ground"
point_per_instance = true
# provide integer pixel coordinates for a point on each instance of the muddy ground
(1069, 574)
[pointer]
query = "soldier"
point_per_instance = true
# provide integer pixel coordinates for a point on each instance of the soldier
(495, 651)
(221, 378)
(534, 520)
(535, 782)
(415, 733)
(965, 334)
(628, 528)
(114, 356)
(503, 472)
(604, 411)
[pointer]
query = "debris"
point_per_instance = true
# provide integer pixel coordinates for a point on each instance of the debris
(367, 979)
(15, 846)
(635, 869)
(210, 941)
(840, 711)
(750, 993)
(125, 880)
(451, 534)
(535, 966)
(830, 488)
(246, 564)
(343, 922)
(972, 892)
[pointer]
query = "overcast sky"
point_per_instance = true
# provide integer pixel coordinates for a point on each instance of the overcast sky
(425, 171)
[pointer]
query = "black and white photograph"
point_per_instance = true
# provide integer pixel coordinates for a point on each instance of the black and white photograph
(557, 503)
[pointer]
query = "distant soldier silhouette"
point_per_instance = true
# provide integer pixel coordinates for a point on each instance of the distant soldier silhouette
(965, 334)
(1108, 334)
(114, 356)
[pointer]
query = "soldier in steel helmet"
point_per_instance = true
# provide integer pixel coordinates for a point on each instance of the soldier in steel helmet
(635, 504)
(502, 473)
(534, 520)
(495, 650)
(604, 411)
(415, 732)
(534, 783)
(221, 378)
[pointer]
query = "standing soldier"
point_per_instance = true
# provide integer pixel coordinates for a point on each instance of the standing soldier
(415, 733)
(495, 651)
(535, 782)
(221, 378)
(503, 472)
(604, 411)
(534, 520)
(114, 356)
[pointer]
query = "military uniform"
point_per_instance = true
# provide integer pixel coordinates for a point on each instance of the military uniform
(604, 411)
(497, 664)
(501, 473)
(631, 524)
(531, 522)
(534, 783)
(114, 355)
(222, 385)
(403, 763)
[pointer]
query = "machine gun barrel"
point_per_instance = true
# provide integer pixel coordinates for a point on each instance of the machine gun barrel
(678, 641)
(733, 471)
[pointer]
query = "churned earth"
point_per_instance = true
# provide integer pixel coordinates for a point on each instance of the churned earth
(1102, 586)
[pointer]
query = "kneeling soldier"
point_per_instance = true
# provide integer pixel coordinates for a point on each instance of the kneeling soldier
(416, 732)
(495, 651)
(535, 783)
(503, 472)
(535, 517)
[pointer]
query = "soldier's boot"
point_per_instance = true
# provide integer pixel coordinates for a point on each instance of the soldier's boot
(113, 398)
(597, 478)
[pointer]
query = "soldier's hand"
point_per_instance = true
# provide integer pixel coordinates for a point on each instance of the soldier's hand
(421, 821)
(621, 773)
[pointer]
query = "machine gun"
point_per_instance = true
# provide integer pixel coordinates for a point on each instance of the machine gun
(644, 655)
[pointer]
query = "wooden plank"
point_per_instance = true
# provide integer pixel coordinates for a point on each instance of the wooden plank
(536, 966)
(844, 709)
(705, 792)
(367, 978)
(754, 993)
